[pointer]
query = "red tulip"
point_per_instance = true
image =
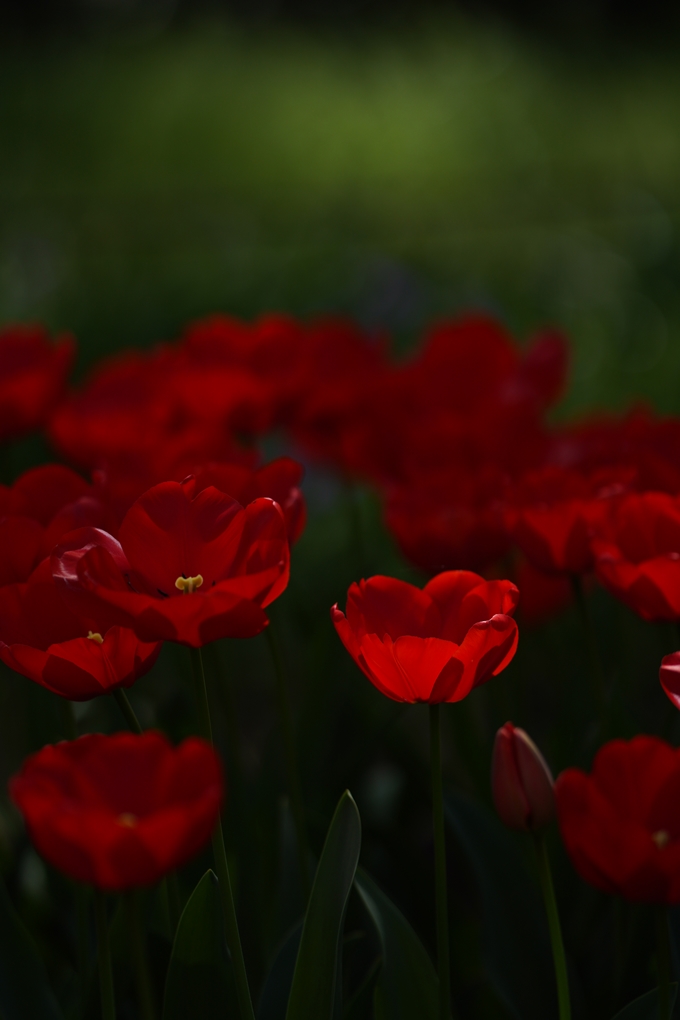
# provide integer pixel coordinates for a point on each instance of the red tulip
(669, 676)
(279, 480)
(189, 567)
(621, 823)
(543, 595)
(121, 811)
(637, 554)
(521, 782)
(42, 505)
(75, 657)
(433, 644)
(33, 372)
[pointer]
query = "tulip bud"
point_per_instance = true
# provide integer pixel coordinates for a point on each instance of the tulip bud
(669, 675)
(521, 782)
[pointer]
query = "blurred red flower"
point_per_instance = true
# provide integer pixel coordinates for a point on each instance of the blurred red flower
(119, 811)
(637, 554)
(73, 656)
(521, 782)
(621, 823)
(555, 514)
(190, 566)
(33, 372)
(41, 506)
(433, 644)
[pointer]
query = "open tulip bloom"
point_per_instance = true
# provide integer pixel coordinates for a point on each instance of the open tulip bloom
(186, 568)
(431, 645)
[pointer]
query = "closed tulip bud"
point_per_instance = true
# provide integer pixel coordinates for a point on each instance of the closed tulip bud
(521, 782)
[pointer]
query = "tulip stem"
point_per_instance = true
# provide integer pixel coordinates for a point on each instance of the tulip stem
(131, 904)
(220, 855)
(596, 670)
(547, 888)
(104, 956)
(83, 943)
(663, 962)
(69, 719)
(123, 702)
(441, 895)
(292, 770)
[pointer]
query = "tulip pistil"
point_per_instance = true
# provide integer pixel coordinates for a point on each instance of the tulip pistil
(187, 585)
(127, 820)
(661, 838)
(95, 636)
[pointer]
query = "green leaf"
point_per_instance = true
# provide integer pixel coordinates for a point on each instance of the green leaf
(313, 993)
(198, 983)
(25, 993)
(276, 990)
(646, 1007)
(407, 984)
(515, 937)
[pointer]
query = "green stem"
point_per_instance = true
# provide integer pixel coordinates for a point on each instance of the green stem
(83, 941)
(104, 956)
(596, 669)
(123, 702)
(292, 770)
(441, 895)
(171, 884)
(220, 855)
(147, 1009)
(663, 951)
(545, 878)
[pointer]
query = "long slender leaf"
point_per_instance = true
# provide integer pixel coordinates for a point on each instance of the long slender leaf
(25, 993)
(314, 983)
(407, 984)
(197, 985)
(515, 939)
(276, 991)
(646, 1007)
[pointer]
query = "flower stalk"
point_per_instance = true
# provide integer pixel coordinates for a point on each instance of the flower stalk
(441, 894)
(559, 958)
(220, 856)
(104, 956)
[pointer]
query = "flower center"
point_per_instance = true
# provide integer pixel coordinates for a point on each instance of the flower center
(661, 838)
(187, 585)
(93, 635)
(127, 820)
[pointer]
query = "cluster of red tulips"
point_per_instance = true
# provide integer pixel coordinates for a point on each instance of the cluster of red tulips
(159, 523)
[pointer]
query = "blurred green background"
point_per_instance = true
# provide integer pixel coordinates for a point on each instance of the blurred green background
(162, 171)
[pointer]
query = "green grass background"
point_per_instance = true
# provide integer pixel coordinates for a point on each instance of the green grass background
(148, 177)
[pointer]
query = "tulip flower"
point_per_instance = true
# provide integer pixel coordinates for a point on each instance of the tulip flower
(120, 811)
(429, 645)
(33, 371)
(522, 788)
(189, 567)
(621, 823)
(42, 505)
(521, 781)
(637, 554)
(72, 656)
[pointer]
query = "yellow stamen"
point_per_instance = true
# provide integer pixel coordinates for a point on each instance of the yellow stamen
(189, 584)
(94, 636)
(127, 820)
(661, 838)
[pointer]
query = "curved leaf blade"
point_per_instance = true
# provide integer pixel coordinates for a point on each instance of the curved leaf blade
(313, 993)
(646, 1007)
(197, 985)
(515, 937)
(407, 983)
(25, 993)
(276, 990)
